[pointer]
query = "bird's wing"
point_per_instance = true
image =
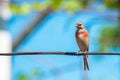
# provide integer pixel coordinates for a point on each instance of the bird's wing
(82, 44)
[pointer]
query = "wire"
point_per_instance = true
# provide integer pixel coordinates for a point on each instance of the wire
(59, 53)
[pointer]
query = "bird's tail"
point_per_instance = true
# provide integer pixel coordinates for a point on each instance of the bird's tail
(85, 59)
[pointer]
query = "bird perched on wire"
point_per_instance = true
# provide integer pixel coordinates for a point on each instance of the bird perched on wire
(82, 40)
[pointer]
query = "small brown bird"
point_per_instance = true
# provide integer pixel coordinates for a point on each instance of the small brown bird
(83, 42)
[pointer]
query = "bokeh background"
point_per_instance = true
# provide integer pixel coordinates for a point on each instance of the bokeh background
(49, 25)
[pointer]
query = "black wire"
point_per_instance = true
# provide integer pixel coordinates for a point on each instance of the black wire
(59, 53)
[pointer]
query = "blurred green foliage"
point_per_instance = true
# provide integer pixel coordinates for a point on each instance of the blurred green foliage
(84, 3)
(36, 72)
(25, 9)
(37, 6)
(22, 77)
(114, 4)
(70, 5)
(32, 75)
(110, 37)
(55, 4)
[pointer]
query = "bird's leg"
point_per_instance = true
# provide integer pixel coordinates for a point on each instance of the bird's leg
(86, 60)
(86, 53)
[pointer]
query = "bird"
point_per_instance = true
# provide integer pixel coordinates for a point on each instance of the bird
(82, 40)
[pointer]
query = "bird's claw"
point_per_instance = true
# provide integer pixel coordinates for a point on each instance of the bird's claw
(86, 53)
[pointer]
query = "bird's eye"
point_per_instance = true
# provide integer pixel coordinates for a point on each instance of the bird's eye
(80, 24)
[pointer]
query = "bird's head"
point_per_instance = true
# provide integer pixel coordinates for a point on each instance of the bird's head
(80, 25)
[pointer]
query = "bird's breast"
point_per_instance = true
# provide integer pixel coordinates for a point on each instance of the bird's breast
(81, 34)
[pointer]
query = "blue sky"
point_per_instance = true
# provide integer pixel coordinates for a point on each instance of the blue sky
(54, 35)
